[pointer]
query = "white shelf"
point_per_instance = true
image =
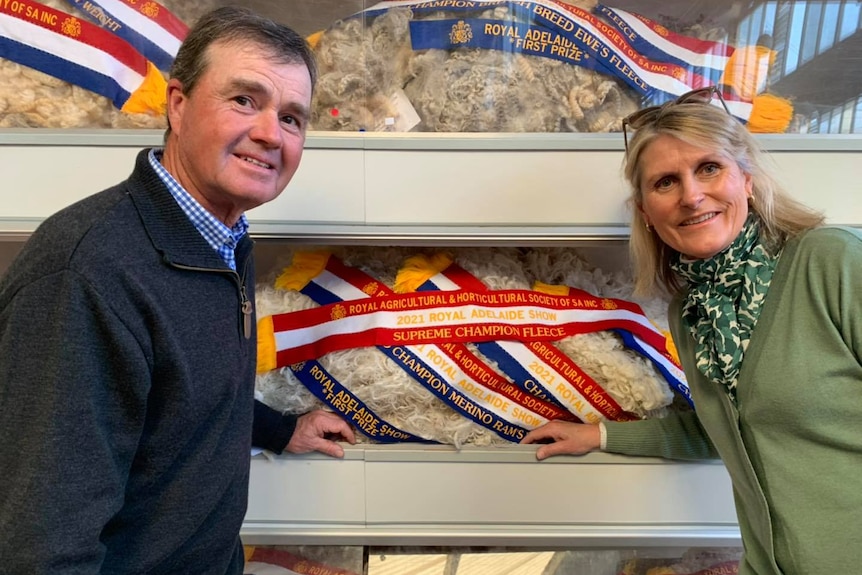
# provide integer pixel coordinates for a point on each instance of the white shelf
(421, 495)
(472, 188)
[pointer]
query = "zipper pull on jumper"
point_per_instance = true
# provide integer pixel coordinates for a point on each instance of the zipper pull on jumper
(246, 313)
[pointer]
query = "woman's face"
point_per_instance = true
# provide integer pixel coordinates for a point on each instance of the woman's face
(696, 199)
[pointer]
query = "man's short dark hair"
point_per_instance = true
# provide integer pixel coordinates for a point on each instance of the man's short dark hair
(231, 24)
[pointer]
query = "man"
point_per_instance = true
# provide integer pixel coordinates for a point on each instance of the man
(127, 331)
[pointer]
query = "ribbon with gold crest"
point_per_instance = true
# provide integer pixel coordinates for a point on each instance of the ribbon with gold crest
(450, 371)
(430, 317)
(663, 357)
(656, 42)
(742, 70)
(537, 367)
(745, 69)
(147, 25)
(517, 37)
(73, 50)
(562, 31)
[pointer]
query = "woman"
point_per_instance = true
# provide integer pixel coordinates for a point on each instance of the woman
(767, 317)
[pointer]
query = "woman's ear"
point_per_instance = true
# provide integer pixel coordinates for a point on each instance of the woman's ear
(643, 215)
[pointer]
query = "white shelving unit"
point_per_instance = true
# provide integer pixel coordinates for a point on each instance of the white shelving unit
(524, 189)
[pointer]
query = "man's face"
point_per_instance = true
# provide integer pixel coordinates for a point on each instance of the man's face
(237, 139)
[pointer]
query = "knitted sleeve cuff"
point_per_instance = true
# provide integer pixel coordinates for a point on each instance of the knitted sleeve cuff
(676, 436)
(603, 436)
(271, 430)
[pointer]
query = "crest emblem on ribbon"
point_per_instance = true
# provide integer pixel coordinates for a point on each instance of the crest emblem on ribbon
(71, 27)
(461, 33)
(150, 9)
(338, 312)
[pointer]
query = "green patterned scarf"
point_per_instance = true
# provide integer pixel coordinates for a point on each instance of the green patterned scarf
(724, 300)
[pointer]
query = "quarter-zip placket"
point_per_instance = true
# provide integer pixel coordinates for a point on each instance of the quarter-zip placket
(246, 307)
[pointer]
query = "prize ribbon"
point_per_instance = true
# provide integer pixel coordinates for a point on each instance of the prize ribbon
(64, 46)
(342, 401)
(538, 367)
(423, 317)
(449, 370)
(659, 355)
(147, 25)
(615, 44)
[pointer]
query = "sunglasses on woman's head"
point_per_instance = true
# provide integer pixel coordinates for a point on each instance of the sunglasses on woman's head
(644, 116)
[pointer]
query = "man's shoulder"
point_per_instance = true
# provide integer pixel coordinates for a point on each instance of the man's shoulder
(97, 223)
(69, 225)
(78, 218)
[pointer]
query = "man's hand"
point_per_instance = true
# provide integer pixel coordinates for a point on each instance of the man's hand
(318, 431)
(567, 438)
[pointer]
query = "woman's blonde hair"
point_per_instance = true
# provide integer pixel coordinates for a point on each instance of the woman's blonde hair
(711, 128)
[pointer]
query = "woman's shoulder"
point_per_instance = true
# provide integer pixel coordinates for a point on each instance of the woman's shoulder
(827, 240)
(831, 236)
(825, 250)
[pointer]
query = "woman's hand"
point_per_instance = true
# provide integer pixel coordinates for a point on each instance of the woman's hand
(567, 438)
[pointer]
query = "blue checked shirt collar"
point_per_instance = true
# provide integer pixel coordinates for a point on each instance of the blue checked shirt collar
(222, 238)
